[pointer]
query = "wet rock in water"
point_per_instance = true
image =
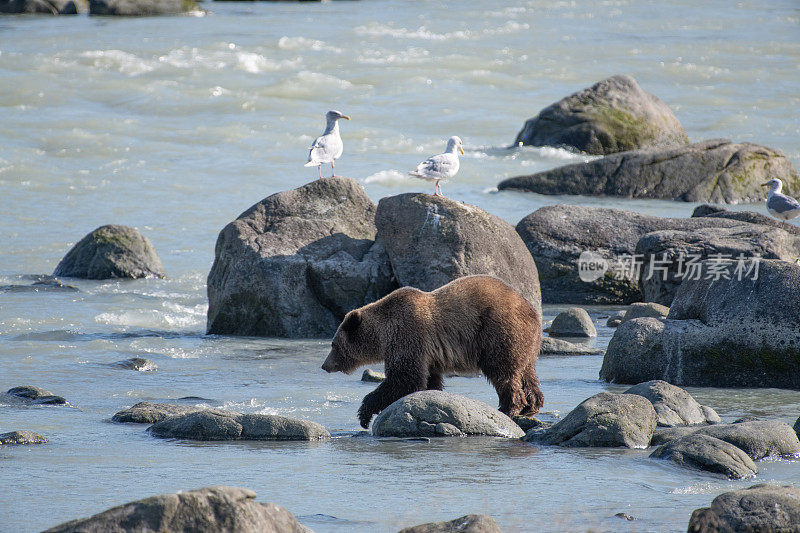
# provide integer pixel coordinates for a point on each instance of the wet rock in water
(642, 310)
(574, 322)
(613, 115)
(527, 423)
(604, 420)
(206, 510)
(150, 413)
(372, 376)
(22, 437)
(551, 346)
(674, 406)
(719, 333)
(758, 439)
(296, 262)
(215, 425)
(111, 251)
(704, 452)
(762, 507)
(625, 516)
(140, 364)
(35, 395)
(557, 235)
(715, 170)
(432, 240)
(42, 7)
(41, 283)
(434, 413)
(140, 8)
(615, 319)
(471, 523)
(671, 256)
(707, 209)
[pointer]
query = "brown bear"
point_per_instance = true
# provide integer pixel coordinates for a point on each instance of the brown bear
(475, 323)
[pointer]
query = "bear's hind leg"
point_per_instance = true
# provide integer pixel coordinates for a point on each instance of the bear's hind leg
(534, 398)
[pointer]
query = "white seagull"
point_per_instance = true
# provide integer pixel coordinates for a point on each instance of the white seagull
(328, 147)
(779, 205)
(440, 167)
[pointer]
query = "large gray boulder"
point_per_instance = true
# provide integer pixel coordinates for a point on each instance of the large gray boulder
(604, 420)
(207, 510)
(432, 240)
(435, 413)
(140, 8)
(761, 507)
(215, 425)
(557, 235)
(22, 437)
(150, 413)
(757, 438)
(716, 171)
(719, 333)
(574, 322)
(668, 257)
(471, 523)
(295, 263)
(111, 251)
(45, 7)
(613, 115)
(674, 406)
(708, 453)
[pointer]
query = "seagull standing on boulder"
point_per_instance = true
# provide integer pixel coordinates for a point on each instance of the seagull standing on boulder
(779, 205)
(328, 147)
(440, 167)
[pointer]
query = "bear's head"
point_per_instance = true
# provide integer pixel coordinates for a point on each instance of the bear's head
(355, 344)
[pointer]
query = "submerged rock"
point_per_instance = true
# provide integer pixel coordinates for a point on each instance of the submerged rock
(526, 423)
(674, 406)
(140, 364)
(613, 115)
(704, 452)
(432, 240)
(434, 413)
(715, 170)
(471, 523)
(574, 322)
(41, 283)
(214, 425)
(372, 376)
(719, 333)
(551, 346)
(150, 413)
(207, 510)
(761, 507)
(111, 251)
(140, 8)
(22, 437)
(35, 395)
(43, 7)
(757, 438)
(604, 420)
(558, 235)
(295, 263)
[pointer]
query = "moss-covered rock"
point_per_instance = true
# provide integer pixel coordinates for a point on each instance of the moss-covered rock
(613, 115)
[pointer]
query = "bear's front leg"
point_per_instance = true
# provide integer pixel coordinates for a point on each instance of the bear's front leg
(371, 405)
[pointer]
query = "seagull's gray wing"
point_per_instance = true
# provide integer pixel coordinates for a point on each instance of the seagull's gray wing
(325, 149)
(440, 166)
(780, 203)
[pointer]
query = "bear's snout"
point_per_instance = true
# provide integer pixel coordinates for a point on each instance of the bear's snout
(329, 366)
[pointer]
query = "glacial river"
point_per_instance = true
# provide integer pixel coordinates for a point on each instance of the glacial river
(175, 125)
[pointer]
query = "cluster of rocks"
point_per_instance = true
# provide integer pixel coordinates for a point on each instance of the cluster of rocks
(718, 333)
(134, 8)
(295, 263)
(647, 152)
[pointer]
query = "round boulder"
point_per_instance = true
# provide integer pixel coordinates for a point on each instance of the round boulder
(604, 420)
(613, 115)
(434, 413)
(762, 507)
(574, 322)
(645, 310)
(708, 453)
(111, 251)
(674, 406)
(432, 240)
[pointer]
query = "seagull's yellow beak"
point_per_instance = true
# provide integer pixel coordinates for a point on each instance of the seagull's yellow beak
(345, 117)
(461, 150)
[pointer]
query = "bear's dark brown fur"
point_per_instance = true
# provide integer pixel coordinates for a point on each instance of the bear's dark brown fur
(475, 323)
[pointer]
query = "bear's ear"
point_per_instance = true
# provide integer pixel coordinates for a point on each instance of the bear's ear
(352, 321)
